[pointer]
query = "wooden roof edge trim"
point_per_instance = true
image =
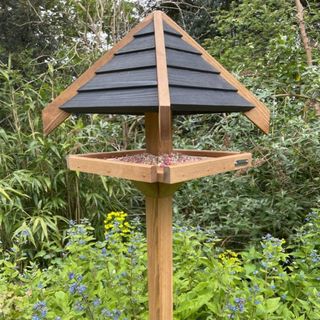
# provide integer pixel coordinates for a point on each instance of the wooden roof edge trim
(164, 110)
(260, 115)
(52, 115)
(161, 61)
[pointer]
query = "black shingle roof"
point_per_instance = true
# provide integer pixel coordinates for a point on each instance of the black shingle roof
(127, 84)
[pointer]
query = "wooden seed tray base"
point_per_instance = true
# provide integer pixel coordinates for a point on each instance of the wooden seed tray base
(211, 162)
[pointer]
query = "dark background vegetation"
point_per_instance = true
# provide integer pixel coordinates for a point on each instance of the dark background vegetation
(44, 45)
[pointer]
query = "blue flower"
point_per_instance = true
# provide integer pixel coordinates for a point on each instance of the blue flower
(315, 257)
(39, 305)
(131, 249)
(82, 288)
(41, 308)
(240, 303)
(81, 230)
(116, 314)
(96, 302)
(232, 308)
(78, 306)
(105, 312)
(268, 236)
(43, 312)
(73, 288)
(269, 255)
(71, 275)
(25, 233)
(255, 288)
(72, 223)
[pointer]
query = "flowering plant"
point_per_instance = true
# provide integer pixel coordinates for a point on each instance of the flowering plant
(116, 221)
(107, 279)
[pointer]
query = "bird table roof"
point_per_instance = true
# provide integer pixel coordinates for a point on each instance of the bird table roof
(157, 65)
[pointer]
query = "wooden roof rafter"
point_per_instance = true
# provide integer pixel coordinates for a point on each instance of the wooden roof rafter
(164, 111)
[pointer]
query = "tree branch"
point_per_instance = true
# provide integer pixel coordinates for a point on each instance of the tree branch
(303, 33)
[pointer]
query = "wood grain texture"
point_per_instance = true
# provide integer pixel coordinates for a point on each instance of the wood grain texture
(193, 170)
(52, 115)
(113, 168)
(159, 209)
(114, 154)
(260, 115)
(159, 190)
(151, 125)
(206, 153)
(164, 109)
(154, 144)
(160, 269)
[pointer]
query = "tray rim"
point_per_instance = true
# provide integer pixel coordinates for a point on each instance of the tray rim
(105, 163)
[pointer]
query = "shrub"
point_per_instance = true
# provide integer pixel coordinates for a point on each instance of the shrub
(107, 279)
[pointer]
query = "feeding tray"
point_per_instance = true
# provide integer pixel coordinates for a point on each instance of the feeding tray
(190, 164)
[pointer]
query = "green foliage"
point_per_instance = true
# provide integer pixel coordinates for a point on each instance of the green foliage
(195, 16)
(244, 205)
(37, 29)
(107, 279)
(37, 192)
(259, 40)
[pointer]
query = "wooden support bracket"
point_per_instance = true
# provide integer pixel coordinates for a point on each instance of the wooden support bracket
(156, 189)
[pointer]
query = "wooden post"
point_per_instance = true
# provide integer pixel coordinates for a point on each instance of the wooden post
(159, 237)
(159, 202)
(159, 198)
(159, 228)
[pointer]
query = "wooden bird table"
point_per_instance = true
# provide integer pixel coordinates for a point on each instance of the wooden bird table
(157, 70)
(158, 184)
